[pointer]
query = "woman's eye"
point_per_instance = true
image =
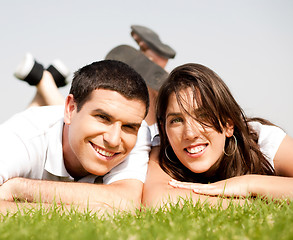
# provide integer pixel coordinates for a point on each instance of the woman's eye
(176, 120)
(203, 116)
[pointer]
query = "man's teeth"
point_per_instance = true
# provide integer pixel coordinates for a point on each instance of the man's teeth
(103, 152)
(196, 149)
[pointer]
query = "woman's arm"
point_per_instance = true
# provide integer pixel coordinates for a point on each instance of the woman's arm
(275, 187)
(280, 186)
(283, 159)
(157, 192)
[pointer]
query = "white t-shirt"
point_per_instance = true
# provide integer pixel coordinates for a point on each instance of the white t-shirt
(269, 139)
(31, 147)
(155, 137)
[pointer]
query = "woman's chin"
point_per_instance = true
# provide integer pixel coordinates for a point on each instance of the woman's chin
(200, 170)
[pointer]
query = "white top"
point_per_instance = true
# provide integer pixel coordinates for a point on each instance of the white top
(155, 137)
(31, 147)
(269, 139)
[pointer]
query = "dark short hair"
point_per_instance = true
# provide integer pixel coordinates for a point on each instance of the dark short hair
(110, 75)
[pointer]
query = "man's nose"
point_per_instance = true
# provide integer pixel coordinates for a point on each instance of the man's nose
(113, 135)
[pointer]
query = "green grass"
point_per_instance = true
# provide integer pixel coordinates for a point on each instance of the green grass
(258, 220)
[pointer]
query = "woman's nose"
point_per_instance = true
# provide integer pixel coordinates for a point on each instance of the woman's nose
(192, 130)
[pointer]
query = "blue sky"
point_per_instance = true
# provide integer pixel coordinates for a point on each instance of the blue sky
(248, 43)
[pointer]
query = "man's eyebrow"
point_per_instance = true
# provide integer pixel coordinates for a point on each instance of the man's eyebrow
(101, 111)
(135, 125)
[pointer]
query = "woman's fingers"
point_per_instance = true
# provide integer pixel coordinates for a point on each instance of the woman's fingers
(178, 184)
(196, 187)
(207, 189)
(228, 188)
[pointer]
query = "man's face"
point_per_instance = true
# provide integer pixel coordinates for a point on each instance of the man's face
(103, 132)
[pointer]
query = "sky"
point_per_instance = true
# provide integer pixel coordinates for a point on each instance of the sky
(248, 43)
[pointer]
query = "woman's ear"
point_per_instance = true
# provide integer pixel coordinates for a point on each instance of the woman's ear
(70, 109)
(229, 128)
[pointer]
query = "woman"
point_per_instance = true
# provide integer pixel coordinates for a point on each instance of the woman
(206, 138)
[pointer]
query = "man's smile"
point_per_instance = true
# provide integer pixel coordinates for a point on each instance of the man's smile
(103, 151)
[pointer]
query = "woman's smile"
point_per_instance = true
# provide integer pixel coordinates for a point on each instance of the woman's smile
(196, 150)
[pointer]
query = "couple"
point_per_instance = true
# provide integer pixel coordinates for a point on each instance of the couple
(204, 138)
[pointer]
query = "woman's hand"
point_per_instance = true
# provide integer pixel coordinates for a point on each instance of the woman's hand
(236, 186)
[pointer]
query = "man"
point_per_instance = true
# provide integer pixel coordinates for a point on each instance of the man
(102, 118)
(149, 62)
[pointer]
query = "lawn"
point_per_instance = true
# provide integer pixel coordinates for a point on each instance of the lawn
(256, 220)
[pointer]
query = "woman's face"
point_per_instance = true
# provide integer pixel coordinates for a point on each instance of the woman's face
(197, 147)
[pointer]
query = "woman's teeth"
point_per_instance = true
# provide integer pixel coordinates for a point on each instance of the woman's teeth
(196, 149)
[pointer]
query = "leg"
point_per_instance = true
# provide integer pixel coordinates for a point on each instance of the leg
(47, 81)
(47, 92)
(37, 101)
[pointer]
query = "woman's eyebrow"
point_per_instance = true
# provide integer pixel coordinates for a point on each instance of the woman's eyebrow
(173, 114)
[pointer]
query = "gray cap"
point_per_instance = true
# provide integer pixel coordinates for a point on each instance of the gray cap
(152, 39)
(151, 72)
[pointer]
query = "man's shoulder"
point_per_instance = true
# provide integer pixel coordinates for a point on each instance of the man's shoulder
(44, 113)
(56, 109)
(35, 119)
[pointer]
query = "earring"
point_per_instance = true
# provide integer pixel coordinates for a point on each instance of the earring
(235, 147)
(166, 153)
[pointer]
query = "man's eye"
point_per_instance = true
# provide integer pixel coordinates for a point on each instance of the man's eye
(102, 117)
(130, 128)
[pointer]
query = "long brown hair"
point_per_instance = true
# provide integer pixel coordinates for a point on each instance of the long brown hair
(212, 95)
